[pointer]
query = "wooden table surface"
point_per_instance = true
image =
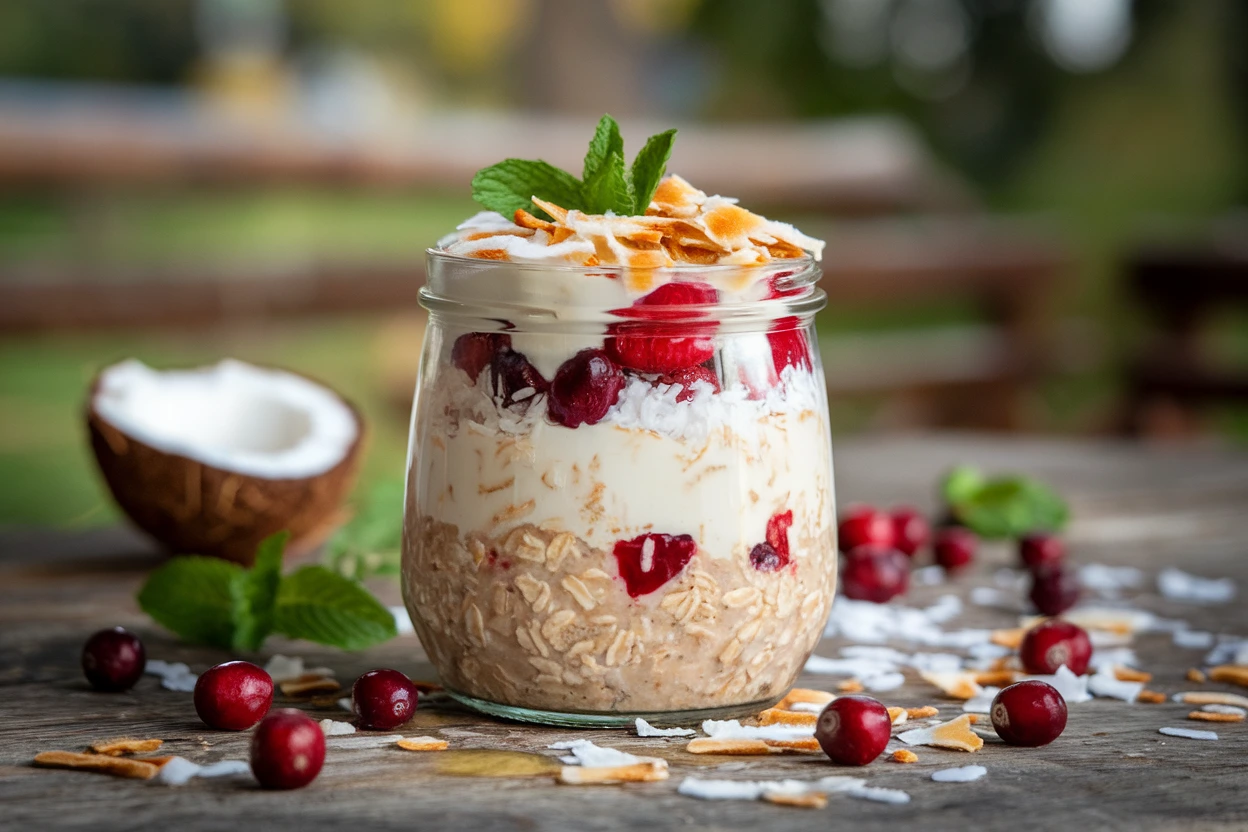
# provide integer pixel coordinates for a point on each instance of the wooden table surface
(1110, 770)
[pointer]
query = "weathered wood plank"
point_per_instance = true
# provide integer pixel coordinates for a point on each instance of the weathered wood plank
(1110, 770)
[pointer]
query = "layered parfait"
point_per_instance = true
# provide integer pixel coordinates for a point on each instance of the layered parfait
(619, 495)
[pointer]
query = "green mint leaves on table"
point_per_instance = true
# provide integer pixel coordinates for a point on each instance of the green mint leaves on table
(221, 604)
(1002, 507)
(605, 183)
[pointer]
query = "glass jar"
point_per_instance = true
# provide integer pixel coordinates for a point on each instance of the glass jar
(619, 488)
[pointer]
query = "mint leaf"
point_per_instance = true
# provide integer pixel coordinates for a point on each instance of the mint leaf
(609, 189)
(606, 140)
(258, 593)
(512, 184)
(369, 545)
(649, 166)
(197, 598)
(316, 604)
(1004, 507)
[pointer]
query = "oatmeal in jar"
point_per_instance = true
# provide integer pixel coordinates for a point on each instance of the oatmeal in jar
(619, 495)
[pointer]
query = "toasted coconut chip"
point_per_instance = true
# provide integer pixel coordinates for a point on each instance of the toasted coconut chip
(1211, 697)
(734, 747)
(958, 685)
(674, 197)
(126, 745)
(1013, 639)
(648, 770)
(809, 800)
(996, 678)
(97, 763)
(954, 734)
(1207, 716)
(422, 744)
(1150, 697)
(923, 712)
(309, 685)
(1197, 676)
(1224, 709)
(973, 718)
(1127, 674)
(159, 762)
(850, 686)
(1234, 674)
(904, 755)
(806, 696)
(806, 744)
(897, 716)
(526, 220)
(776, 716)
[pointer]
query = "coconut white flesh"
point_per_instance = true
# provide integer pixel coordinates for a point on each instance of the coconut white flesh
(233, 416)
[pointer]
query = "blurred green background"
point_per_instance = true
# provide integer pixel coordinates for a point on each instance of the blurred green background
(1108, 123)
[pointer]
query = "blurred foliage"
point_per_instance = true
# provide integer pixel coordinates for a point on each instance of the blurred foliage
(369, 544)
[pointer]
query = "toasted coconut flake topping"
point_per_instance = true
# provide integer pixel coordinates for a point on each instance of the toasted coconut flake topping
(905, 755)
(681, 225)
(126, 745)
(956, 734)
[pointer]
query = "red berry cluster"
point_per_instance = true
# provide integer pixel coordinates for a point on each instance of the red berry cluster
(1054, 585)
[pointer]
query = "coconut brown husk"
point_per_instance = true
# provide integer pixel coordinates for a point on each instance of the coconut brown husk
(193, 508)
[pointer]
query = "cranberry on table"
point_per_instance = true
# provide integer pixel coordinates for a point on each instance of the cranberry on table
(584, 388)
(1040, 550)
(1054, 643)
(287, 750)
(955, 548)
(1029, 714)
(864, 525)
(1054, 589)
(910, 530)
(233, 696)
(384, 699)
(853, 730)
(113, 659)
(875, 573)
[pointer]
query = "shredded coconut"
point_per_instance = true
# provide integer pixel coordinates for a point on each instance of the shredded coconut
(732, 729)
(1178, 585)
(981, 703)
(1192, 639)
(284, 668)
(1110, 581)
(178, 771)
(173, 675)
(1074, 689)
(1229, 710)
(645, 729)
(1105, 684)
(1189, 733)
(361, 741)
(962, 774)
(585, 753)
(334, 728)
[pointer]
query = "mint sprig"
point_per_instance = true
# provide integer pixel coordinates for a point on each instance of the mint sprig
(221, 604)
(1003, 507)
(606, 184)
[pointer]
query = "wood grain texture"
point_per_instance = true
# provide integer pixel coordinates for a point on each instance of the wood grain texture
(1111, 770)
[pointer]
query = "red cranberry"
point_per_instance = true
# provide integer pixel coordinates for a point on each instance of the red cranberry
(1041, 550)
(113, 660)
(687, 377)
(1054, 589)
(472, 352)
(910, 530)
(875, 573)
(584, 388)
(765, 558)
(1029, 714)
(789, 347)
(955, 548)
(863, 525)
(384, 699)
(1054, 643)
(660, 342)
(287, 750)
(853, 730)
(233, 696)
(778, 532)
(514, 374)
(651, 560)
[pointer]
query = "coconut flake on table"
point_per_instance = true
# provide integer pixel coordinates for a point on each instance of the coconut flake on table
(1188, 733)
(732, 729)
(1105, 684)
(585, 753)
(989, 596)
(981, 703)
(178, 771)
(928, 575)
(807, 707)
(1110, 581)
(1113, 656)
(284, 668)
(1074, 689)
(1228, 649)
(335, 728)
(1177, 585)
(880, 795)
(705, 789)
(645, 729)
(863, 621)
(347, 704)
(1192, 639)
(173, 675)
(1229, 710)
(961, 774)
(234, 416)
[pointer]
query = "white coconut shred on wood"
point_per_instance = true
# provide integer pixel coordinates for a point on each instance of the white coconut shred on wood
(1188, 733)
(961, 774)
(586, 753)
(645, 729)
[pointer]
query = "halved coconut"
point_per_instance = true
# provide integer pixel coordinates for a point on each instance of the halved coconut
(212, 460)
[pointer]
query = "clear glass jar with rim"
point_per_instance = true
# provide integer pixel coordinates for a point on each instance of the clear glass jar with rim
(619, 488)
